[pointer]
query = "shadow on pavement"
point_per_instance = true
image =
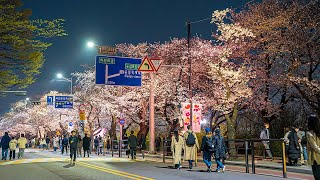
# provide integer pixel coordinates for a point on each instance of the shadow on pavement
(169, 167)
(69, 165)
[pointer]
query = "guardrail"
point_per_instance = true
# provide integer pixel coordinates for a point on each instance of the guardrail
(120, 146)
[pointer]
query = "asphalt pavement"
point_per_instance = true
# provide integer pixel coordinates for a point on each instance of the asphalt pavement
(49, 165)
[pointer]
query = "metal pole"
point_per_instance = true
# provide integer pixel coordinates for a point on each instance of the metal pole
(190, 73)
(284, 162)
(71, 85)
(247, 156)
(112, 148)
(163, 151)
(119, 147)
(151, 111)
(252, 153)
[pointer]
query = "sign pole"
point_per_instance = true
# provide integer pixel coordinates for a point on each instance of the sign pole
(151, 111)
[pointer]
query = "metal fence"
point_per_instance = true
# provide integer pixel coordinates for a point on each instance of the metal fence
(118, 147)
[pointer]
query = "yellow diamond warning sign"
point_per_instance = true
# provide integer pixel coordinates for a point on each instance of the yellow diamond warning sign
(146, 65)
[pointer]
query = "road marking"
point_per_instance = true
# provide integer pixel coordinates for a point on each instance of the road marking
(116, 172)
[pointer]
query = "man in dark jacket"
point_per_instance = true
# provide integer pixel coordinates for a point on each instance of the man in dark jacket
(132, 144)
(86, 145)
(48, 142)
(64, 144)
(207, 148)
(5, 145)
(73, 141)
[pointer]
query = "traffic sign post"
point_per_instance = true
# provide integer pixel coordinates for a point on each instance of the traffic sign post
(50, 100)
(122, 122)
(107, 50)
(156, 63)
(63, 101)
(146, 65)
(118, 71)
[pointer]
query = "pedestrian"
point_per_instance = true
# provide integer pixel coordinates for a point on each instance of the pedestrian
(73, 141)
(108, 143)
(313, 146)
(22, 141)
(12, 146)
(65, 143)
(294, 150)
(60, 143)
(304, 143)
(177, 144)
(207, 148)
(132, 140)
(86, 145)
(220, 150)
(79, 146)
(265, 134)
(100, 144)
(47, 142)
(158, 143)
(55, 143)
(5, 140)
(33, 142)
(43, 143)
(96, 144)
(191, 146)
(142, 143)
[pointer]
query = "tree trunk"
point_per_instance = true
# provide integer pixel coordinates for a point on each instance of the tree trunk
(144, 129)
(113, 130)
(231, 130)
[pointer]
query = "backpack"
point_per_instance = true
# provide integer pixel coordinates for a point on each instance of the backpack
(210, 145)
(65, 141)
(191, 140)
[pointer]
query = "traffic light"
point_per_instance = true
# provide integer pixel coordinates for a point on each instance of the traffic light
(36, 103)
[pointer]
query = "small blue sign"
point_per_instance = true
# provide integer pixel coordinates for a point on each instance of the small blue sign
(118, 71)
(70, 124)
(50, 100)
(122, 121)
(63, 102)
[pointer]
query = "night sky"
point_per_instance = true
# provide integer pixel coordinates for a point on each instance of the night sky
(109, 22)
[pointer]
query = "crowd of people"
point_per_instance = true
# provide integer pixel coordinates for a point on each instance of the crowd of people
(11, 144)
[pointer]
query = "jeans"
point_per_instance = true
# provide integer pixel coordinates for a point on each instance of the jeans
(47, 146)
(21, 153)
(4, 153)
(207, 158)
(84, 152)
(12, 154)
(79, 151)
(190, 163)
(132, 152)
(267, 148)
(63, 149)
(305, 153)
(316, 171)
(219, 164)
(73, 151)
(55, 149)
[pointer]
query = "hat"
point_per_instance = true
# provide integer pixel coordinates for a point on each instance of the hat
(217, 131)
(207, 130)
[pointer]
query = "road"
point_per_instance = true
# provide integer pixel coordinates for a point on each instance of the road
(41, 165)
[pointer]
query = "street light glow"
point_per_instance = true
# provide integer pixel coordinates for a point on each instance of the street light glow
(204, 121)
(90, 44)
(27, 99)
(59, 75)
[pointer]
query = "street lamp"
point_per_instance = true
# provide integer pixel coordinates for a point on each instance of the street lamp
(27, 99)
(61, 78)
(91, 44)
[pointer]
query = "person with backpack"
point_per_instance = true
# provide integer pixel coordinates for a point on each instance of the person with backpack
(191, 146)
(177, 145)
(220, 150)
(12, 146)
(207, 148)
(65, 143)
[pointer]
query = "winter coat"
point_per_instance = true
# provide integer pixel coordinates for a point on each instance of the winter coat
(73, 141)
(13, 145)
(219, 146)
(65, 141)
(313, 147)
(56, 142)
(190, 152)
(293, 151)
(47, 140)
(96, 142)
(204, 144)
(80, 143)
(5, 141)
(132, 140)
(86, 143)
(22, 142)
(265, 134)
(142, 143)
(176, 149)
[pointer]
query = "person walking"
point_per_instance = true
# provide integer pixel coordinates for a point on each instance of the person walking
(96, 144)
(86, 145)
(5, 140)
(265, 134)
(33, 142)
(79, 146)
(177, 145)
(100, 144)
(132, 140)
(294, 150)
(43, 143)
(65, 144)
(13, 146)
(22, 141)
(55, 143)
(220, 150)
(158, 143)
(73, 141)
(108, 144)
(47, 143)
(142, 143)
(313, 145)
(207, 148)
(191, 146)
(304, 143)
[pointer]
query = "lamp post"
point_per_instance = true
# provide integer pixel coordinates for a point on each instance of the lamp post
(61, 78)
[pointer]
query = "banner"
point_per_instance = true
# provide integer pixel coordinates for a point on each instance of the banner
(196, 110)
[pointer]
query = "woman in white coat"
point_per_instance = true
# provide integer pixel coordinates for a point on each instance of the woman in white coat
(177, 144)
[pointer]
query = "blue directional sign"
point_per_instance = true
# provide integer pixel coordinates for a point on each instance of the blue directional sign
(118, 71)
(50, 100)
(63, 102)
(122, 121)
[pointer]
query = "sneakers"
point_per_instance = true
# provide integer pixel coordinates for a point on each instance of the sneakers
(224, 168)
(217, 170)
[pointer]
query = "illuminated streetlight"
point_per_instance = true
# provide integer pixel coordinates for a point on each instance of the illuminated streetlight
(90, 44)
(27, 99)
(59, 75)
(61, 78)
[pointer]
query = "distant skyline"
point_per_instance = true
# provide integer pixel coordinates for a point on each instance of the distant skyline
(109, 22)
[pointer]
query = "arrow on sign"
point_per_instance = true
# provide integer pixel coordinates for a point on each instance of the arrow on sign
(146, 65)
